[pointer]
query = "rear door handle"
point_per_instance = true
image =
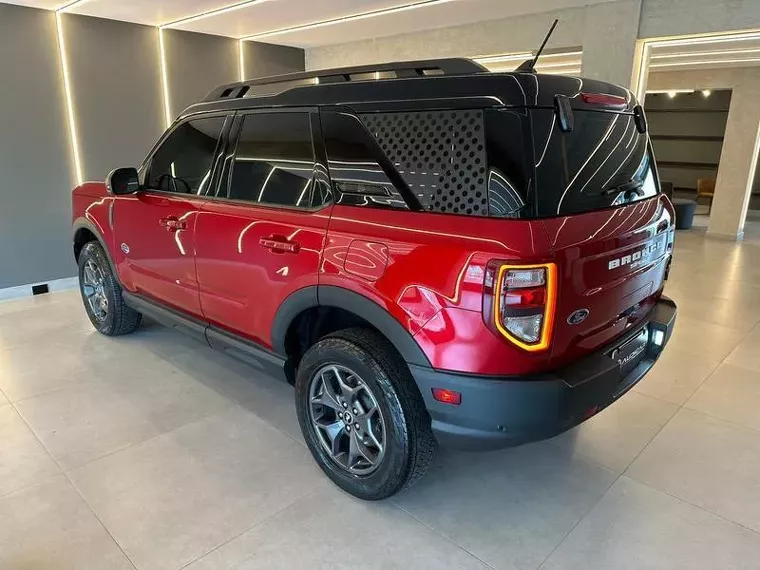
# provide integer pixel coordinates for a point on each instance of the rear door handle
(280, 244)
(172, 224)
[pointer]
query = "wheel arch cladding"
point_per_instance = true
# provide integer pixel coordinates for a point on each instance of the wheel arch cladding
(82, 229)
(337, 297)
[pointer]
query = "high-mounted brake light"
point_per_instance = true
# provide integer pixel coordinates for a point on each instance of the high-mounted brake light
(604, 100)
(520, 302)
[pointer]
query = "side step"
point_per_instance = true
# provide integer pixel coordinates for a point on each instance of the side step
(239, 348)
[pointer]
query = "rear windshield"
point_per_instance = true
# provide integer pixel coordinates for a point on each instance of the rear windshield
(604, 161)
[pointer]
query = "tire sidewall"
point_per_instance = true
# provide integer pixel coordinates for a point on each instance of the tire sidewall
(390, 475)
(93, 251)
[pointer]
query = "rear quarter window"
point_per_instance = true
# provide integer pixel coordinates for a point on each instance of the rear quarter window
(459, 161)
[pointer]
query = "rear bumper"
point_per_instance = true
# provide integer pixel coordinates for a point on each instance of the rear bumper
(501, 412)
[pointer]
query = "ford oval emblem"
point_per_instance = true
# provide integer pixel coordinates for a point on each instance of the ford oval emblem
(577, 317)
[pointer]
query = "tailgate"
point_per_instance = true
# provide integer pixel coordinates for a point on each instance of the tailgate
(611, 268)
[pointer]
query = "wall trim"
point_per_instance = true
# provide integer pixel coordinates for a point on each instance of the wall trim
(26, 290)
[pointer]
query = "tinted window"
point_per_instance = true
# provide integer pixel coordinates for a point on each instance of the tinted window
(352, 155)
(184, 160)
(274, 160)
(604, 161)
(508, 182)
(440, 155)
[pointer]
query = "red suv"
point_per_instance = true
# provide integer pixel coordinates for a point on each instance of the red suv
(429, 252)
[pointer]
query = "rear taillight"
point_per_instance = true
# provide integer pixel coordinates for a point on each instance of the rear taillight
(519, 302)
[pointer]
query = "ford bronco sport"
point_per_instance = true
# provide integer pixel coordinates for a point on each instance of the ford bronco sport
(429, 252)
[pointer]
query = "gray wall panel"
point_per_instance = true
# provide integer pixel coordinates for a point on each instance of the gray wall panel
(196, 63)
(116, 83)
(35, 154)
(262, 60)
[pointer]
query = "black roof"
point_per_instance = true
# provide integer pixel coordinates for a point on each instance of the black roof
(442, 83)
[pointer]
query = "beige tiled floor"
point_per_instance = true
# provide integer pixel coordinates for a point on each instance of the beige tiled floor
(152, 451)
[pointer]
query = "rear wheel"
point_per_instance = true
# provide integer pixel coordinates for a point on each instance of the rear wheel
(361, 415)
(101, 293)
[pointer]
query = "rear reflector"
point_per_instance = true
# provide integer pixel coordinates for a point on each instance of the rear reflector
(604, 100)
(447, 396)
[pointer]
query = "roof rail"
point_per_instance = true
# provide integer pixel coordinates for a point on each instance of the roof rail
(448, 66)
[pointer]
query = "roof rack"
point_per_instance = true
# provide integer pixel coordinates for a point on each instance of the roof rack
(448, 66)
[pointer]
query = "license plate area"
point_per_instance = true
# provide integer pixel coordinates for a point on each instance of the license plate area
(630, 353)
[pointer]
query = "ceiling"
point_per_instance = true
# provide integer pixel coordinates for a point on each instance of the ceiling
(324, 22)
(678, 54)
(306, 23)
(565, 62)
(732, 50)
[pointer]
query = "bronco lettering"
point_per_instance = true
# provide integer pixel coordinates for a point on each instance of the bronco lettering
(635, 258)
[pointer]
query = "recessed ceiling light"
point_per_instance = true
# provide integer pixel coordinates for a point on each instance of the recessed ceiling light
(699, 40)
(344, 19)
(647, 46)
(704, 53)
(503, 58)
(69, 5)
(672, 94)
(706, 93)
(210, 13)
(556, 65)
(706, 62)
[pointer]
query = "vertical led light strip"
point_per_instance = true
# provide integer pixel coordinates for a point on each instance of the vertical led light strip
(69, 100)
(642, 77)
(164, 78)
(241, 54)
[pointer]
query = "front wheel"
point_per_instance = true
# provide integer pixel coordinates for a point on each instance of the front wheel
(361, 415)
(101, 293)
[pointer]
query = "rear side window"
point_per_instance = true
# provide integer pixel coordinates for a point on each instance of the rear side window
(274, 161)
(441, 155)
(183, 161)
(604, 161)
(354, 163)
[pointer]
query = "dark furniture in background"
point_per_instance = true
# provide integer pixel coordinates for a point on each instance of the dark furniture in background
(684, 213)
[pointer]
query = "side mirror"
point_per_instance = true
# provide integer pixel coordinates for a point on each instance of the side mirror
(123, 181)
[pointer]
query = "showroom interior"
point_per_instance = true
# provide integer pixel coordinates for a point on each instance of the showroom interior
(155, 451)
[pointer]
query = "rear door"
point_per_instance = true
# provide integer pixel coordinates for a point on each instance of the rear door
(155, 228)
(260, 238)
(611, 230)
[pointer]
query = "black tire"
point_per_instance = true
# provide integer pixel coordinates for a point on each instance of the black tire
(409, 441)
(119, 319)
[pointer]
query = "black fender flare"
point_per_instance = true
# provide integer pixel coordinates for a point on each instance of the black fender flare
(331, 296)
(84, 223)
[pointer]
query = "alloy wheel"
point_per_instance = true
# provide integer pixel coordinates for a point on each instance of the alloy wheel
(93, 288)
(347, 419)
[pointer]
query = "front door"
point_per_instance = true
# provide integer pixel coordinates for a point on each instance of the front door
(262, 238)
(155, 228)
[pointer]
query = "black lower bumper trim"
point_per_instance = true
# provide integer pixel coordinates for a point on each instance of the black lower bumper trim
(503, 412)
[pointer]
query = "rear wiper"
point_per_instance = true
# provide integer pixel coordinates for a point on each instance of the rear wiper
(632, 186)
